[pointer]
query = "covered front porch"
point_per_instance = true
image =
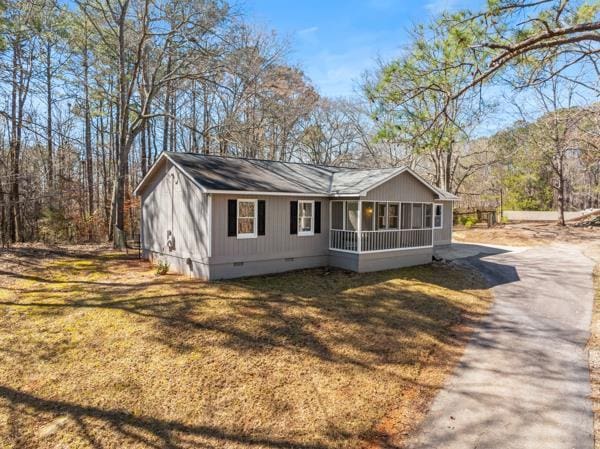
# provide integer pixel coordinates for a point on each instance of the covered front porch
(359, 226)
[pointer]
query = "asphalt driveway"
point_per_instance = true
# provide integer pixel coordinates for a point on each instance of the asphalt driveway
(523, 381)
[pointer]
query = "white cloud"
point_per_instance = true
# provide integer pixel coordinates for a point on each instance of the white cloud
(310, 30)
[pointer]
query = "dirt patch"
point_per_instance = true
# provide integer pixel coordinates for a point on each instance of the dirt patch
(97, 351)
(525, 234)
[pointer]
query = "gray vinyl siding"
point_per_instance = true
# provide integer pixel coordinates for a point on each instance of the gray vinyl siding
(262, 267)
(343, 260)
(443, 236)
(385, 260)
(175, 204)
(183, 265)
(277, 243)
(203, 249)
(404, 187)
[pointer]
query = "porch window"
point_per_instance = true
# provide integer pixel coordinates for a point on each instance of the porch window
(337, 215)
(351, 215)
(306, 217)
(368, 214)
(381, 222)
(427, 208)
(246, 219)
(437, 218)
(393, 215)
(417, 216)
(406, 215)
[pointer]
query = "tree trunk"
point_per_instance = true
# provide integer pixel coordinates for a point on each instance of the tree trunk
(13, 160)
(88, 138)
(120, 177)
(167, 110)
(206, 123)
(194, 135)
(173, 112)
(143, 151)
(448, 171)
(18, 94)
(49, 148)
(561, 190)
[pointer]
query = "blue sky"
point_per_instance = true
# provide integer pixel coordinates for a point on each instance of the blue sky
(335, 41)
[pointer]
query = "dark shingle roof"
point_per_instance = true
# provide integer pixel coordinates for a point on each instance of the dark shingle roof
(227, 173)
(222, 173)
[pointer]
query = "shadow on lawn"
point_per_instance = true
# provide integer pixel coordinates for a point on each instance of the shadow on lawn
(309, 312)
(368, 321)
(292, 311)
(168, 433)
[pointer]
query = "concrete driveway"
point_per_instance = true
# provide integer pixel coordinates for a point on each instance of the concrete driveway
(523, 381)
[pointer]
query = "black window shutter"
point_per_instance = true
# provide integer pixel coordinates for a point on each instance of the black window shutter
(317, 217)
(293, 217)
(261, 217)
(231, 218)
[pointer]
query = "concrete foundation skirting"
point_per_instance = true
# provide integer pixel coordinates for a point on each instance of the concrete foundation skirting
(182, 265)
(385, 260)
(347, 261)
(259, 267)
(394, 259)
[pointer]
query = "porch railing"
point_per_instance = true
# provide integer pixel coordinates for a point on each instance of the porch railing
(383, 240)
(346, 240)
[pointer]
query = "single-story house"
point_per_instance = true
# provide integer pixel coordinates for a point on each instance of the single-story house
(216, 217)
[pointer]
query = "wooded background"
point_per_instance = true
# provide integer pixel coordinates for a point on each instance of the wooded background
(95, 90)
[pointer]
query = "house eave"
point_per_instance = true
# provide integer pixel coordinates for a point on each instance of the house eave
(155, 166)
(262, 193)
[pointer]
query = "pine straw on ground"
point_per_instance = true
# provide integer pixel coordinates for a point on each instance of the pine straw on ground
(97, 351)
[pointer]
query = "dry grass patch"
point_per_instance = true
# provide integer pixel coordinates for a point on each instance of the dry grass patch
(525, 234)
(594, 348)
(96, 351)
(592, 250)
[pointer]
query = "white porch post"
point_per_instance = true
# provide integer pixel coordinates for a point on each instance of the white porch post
(359, 227)
(330, 205)
(432, 222)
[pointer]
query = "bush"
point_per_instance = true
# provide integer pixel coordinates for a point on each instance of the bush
(469, 222)
(55, 226)
(162, 267)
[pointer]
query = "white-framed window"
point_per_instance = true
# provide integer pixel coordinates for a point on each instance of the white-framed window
(427, 210)
(368, 215)
(351, 221)
(337, 215)
(381, 222)
(406, 216)
(393, 215)
(247, 211)
(306, 218)
(438, 221)
(417, 216)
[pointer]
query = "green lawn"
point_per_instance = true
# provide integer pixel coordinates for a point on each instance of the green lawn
(98, 352)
